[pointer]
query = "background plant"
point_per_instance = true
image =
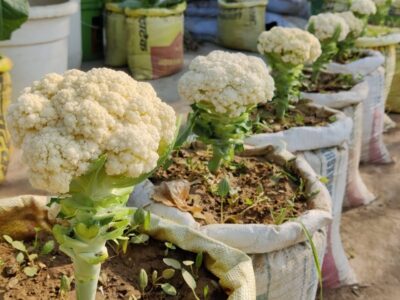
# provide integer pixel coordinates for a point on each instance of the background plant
(287, 50)
(382, 12)
(329, 29)
(90, 138)
(223, 88)
(13, 13)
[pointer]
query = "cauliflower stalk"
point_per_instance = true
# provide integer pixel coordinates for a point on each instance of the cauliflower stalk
(330, 29)
(287, 50)
(90, 138)
(356, 29)
(223, 88)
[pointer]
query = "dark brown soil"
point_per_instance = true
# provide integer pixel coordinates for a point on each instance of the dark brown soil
(119, 277)
(354, 55)
(260, 192)
(327, 83)
(298, 115)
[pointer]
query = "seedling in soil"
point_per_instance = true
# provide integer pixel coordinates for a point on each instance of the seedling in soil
(168, 246)
(65, 285)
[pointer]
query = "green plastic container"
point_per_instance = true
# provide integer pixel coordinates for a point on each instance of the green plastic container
(92, 29)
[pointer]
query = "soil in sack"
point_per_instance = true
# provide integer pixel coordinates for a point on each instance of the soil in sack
(299, 114)
(119, 278)
(251, 190)
(327, 82)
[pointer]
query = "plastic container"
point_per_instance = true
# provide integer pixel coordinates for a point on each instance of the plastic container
(155, 41)
(92, 29)
(5, 95)
(40, 46)
(241, 23)
(115, 54)
(75, 39)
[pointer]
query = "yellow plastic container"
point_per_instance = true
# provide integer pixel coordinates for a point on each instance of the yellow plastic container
(155, 41)
(241, 23)
(115, 54)
(5, 96)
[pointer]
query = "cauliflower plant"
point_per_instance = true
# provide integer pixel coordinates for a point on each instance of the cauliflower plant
(328, 26)
(65, 122)
(223, 88)
(287, 50)
(230, 82)
(330, 29)
(90, 137)
(382, 11)
(363, 8)
(293, 46)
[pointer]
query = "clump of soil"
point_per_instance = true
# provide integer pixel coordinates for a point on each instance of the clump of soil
(119, 277)
(327, 82)
(297, 115)
(260, 192)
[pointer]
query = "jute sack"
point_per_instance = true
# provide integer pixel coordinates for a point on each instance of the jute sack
(115, 31)
(351, 103)
(332, 163)
(370, 68)
(282, 258)
(240, 23)
(155, 41)
(326, 150)
(233, 268)
(5, 96)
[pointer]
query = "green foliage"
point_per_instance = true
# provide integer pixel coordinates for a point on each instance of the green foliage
(223, 188)
(329, 50)
(382, 14)
(287, 83)
(13, 13)
(223, 133)
(135, 4)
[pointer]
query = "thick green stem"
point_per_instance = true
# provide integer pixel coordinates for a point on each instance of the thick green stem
(86, 278)
(287, 84)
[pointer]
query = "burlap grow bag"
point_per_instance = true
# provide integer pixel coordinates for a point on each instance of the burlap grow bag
(5, 96)
(325, 149)
(115, 30)
(233, 268)
(351, 103)
(240, 23)
(370, 67)
(282, 260)
(155, 41)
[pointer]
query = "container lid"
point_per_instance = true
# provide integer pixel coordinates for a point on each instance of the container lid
(242, 4)
(156, 12)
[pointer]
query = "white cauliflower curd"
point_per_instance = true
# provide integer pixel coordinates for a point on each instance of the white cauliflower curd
(292, 45)
(363, 7)
(64, 122)
(324, 26)
(231, 82)
(356, 25)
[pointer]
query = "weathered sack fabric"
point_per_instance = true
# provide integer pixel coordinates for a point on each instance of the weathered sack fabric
(282, 260)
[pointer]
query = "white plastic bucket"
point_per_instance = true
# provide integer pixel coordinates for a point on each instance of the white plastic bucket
(75, 39)
(40, 46)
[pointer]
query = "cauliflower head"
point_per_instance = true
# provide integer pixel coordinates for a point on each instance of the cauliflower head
(356, 25)
(326, 24)
(65, 122)
(292, 45)
(230, 82)
(363, 7)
